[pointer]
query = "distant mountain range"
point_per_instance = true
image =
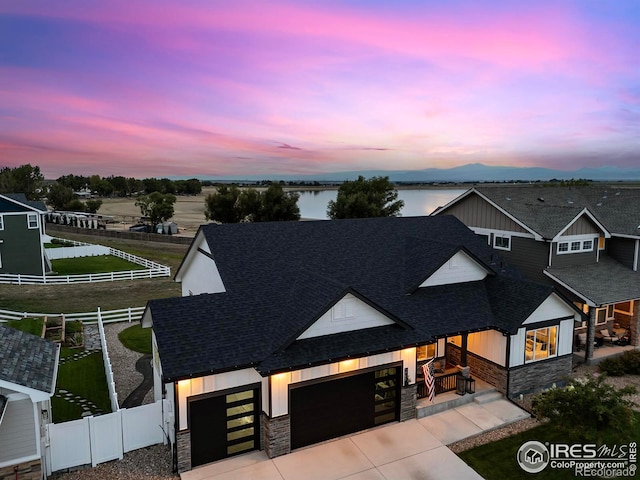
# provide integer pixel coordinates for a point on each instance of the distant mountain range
(475, 172)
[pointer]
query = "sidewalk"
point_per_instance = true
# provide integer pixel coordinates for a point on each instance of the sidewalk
(411, 449)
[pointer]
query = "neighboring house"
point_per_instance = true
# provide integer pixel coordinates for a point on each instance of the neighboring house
(583, 240)
(28, 370)
(291, 333)
(21, 231)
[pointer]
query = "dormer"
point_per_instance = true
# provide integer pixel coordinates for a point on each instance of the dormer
(459, 268)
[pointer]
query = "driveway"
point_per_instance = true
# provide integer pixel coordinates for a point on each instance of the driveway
(401, 451)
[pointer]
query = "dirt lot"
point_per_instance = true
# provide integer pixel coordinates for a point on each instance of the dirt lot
(189, 212)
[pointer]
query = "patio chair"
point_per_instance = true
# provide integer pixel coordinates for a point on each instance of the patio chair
(607, 336)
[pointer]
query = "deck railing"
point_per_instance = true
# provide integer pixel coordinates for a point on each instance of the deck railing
(443, 383)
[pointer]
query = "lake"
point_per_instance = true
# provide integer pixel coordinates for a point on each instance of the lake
(419, 202)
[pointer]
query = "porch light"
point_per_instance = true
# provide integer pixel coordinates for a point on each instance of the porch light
(182, 384)
(471, 385)
(461, 384)
(348, 365)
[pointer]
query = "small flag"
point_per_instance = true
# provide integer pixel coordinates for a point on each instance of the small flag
(429, 381)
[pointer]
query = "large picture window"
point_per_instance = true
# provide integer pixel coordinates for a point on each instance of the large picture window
(541, 343)
(426, 352)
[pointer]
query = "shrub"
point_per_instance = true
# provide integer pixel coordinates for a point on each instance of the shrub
(587, 407)
(614, 367)
(631, 362)
(73, 326)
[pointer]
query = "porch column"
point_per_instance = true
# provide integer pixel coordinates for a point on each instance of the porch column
(463, 350)
(634, 323)
(591, 334)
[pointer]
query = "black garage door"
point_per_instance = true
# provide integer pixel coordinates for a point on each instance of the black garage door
(223, 425)
(329, 409)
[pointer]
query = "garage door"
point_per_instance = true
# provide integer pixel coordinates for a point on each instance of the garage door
(325, 410)
(223, 425)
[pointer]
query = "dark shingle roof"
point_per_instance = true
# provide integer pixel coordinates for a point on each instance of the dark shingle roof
(587, 279)
(22, 198)
(27, 360)
(280, 277)
(548, 210)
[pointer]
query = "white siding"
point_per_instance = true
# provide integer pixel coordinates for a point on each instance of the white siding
(552, 307)
(516, 356)
(200, 274)
(565, 337)
(489, 344)
(459, 268)
(349, 314)
(157, 369)
(18, 430)
(212, 383)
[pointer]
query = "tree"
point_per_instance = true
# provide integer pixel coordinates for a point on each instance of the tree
(157, 206)
(222, 206)
(587, 407)
(23, 179)
(232, 205)
(362, 198)
(60, 196)
(277, 206)
(92, 206)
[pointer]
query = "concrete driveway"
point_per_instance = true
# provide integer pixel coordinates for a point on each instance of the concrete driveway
(401, 451)
(414, 449)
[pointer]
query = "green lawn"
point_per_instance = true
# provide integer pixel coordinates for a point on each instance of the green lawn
(136, 338)
(100, 264)
(29, 325)
(497, 460)
(84, 377)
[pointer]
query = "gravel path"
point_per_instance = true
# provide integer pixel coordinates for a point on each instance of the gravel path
(123, 363)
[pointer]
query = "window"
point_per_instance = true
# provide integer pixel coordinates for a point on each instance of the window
(502, 242)
(32, 220)
(541, 343)
(426, 352)
(604, 314)
(575, 246)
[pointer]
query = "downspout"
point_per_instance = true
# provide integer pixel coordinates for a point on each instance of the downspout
(635, 256)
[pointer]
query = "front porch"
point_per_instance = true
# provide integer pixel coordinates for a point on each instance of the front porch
(449, 400)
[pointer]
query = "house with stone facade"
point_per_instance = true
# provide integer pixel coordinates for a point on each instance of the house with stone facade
(28, 370)
(292, 333)
(585, 241)
(21, 230)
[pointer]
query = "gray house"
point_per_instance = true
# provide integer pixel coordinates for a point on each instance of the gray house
(21, 230)
(292, 333)
(28, 370)
(583, 240)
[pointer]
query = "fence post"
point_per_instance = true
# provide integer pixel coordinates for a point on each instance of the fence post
(129, 314)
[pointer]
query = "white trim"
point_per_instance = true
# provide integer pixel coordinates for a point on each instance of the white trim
(585, 211)
(29, 217)
(623, 235)
(636, 253)
(581, 239)
(497, 247)
(17, 202)
(489, 231)
(548, 344)
(1, 221)
(535, 234)
(17, 461)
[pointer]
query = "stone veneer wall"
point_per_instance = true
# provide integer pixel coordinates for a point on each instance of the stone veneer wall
(484, 369)
(23, 471)
(183, 441)
(276, 435)
(634, 324)
(408, 400)
(533, 377)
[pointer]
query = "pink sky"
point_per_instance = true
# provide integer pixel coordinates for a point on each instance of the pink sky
(212, 88)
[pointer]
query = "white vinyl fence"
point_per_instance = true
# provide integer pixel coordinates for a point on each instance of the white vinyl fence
(131, 314)
(151, 270)
(111, 383)
(94, 440)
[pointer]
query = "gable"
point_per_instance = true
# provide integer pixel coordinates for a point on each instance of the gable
(475, 211)
(9, 206)
(552, 308)
(198, 272)
(347, 315)
(459, 268)
(584, 224)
